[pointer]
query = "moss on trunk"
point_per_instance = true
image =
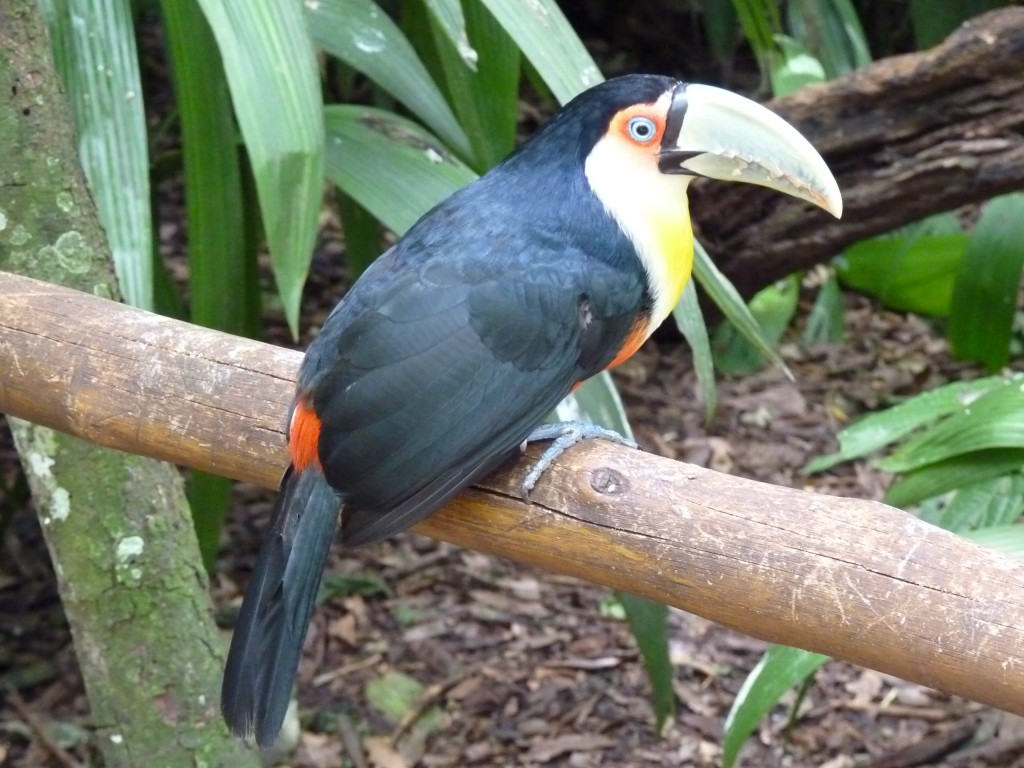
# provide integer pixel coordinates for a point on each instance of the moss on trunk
(117, 526)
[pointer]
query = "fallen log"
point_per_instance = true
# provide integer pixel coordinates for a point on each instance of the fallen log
(854, 579)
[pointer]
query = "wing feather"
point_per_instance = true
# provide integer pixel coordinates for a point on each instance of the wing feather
(432, 377)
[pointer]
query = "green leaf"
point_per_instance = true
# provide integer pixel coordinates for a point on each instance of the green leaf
(728, 299)
(878, 430)
(690, 322)
(996, 501)
(779, 669)
(1008, 539)
(985, 296)
(275, 88)
(209, 497)
(825, 321)
(994, 420)
(389, 165)
(832, 32)
(394, 694)
(773, 309)
(760, 22)
(94, 51)
(362, 35)
(793, 68)
(953, 473)
(913, 274)
(648, 621)
(451, 21)
(546, 38)
(486, 100)
(214, 200)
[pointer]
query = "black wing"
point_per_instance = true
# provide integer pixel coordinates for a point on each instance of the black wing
(430, 375)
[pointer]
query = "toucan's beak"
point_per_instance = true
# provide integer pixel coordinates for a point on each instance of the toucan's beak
(715, 133)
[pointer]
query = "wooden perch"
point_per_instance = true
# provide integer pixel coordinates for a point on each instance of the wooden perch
(906, 137)
(854, 579)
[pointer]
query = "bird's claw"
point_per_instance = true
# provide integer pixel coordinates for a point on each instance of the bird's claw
(564, 435)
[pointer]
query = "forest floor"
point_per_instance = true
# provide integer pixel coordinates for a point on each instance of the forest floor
(520, 667)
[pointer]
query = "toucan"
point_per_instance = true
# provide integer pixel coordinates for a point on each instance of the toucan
(448, 352)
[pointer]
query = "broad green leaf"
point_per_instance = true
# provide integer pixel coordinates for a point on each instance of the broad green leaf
(773, 309)
(648, 621)
(362, 35)
(825, 321)
(690, 322)
(275, 88)
(779, 669)
(486, 100)
(985, 296)
(760, 21)
(209, 497)
(396, 695)
(214, 205)
(389, 165)
(914, 274)
(996, 501)
(878, 430)
(546, 38)
(945, 223)
(94, 51)
(953, 473)
(832, 32)
(793, 68)
(1008, 539)
(994, 420)
(452, 22)
(596, 401)
(728, 299)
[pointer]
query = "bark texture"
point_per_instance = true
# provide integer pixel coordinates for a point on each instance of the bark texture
(117, 526)
(906, 137)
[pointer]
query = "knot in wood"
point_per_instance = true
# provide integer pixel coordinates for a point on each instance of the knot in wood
(608, 481)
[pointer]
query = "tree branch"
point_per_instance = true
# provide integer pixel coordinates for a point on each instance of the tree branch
(851, 578)
(906, 137)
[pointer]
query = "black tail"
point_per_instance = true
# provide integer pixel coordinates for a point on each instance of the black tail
(272, 625)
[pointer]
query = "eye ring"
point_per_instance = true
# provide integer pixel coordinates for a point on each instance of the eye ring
(641, 129)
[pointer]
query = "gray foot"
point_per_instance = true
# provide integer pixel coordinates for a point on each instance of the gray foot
(564, 435)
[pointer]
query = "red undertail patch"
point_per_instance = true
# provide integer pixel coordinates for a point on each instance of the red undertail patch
(304, 436)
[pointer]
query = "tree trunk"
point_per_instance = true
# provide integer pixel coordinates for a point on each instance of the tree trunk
(905, 137)
(117, 526)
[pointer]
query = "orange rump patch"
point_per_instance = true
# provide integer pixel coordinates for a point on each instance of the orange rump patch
(304, 436)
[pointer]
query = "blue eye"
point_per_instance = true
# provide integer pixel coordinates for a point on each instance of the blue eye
(641, 129)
